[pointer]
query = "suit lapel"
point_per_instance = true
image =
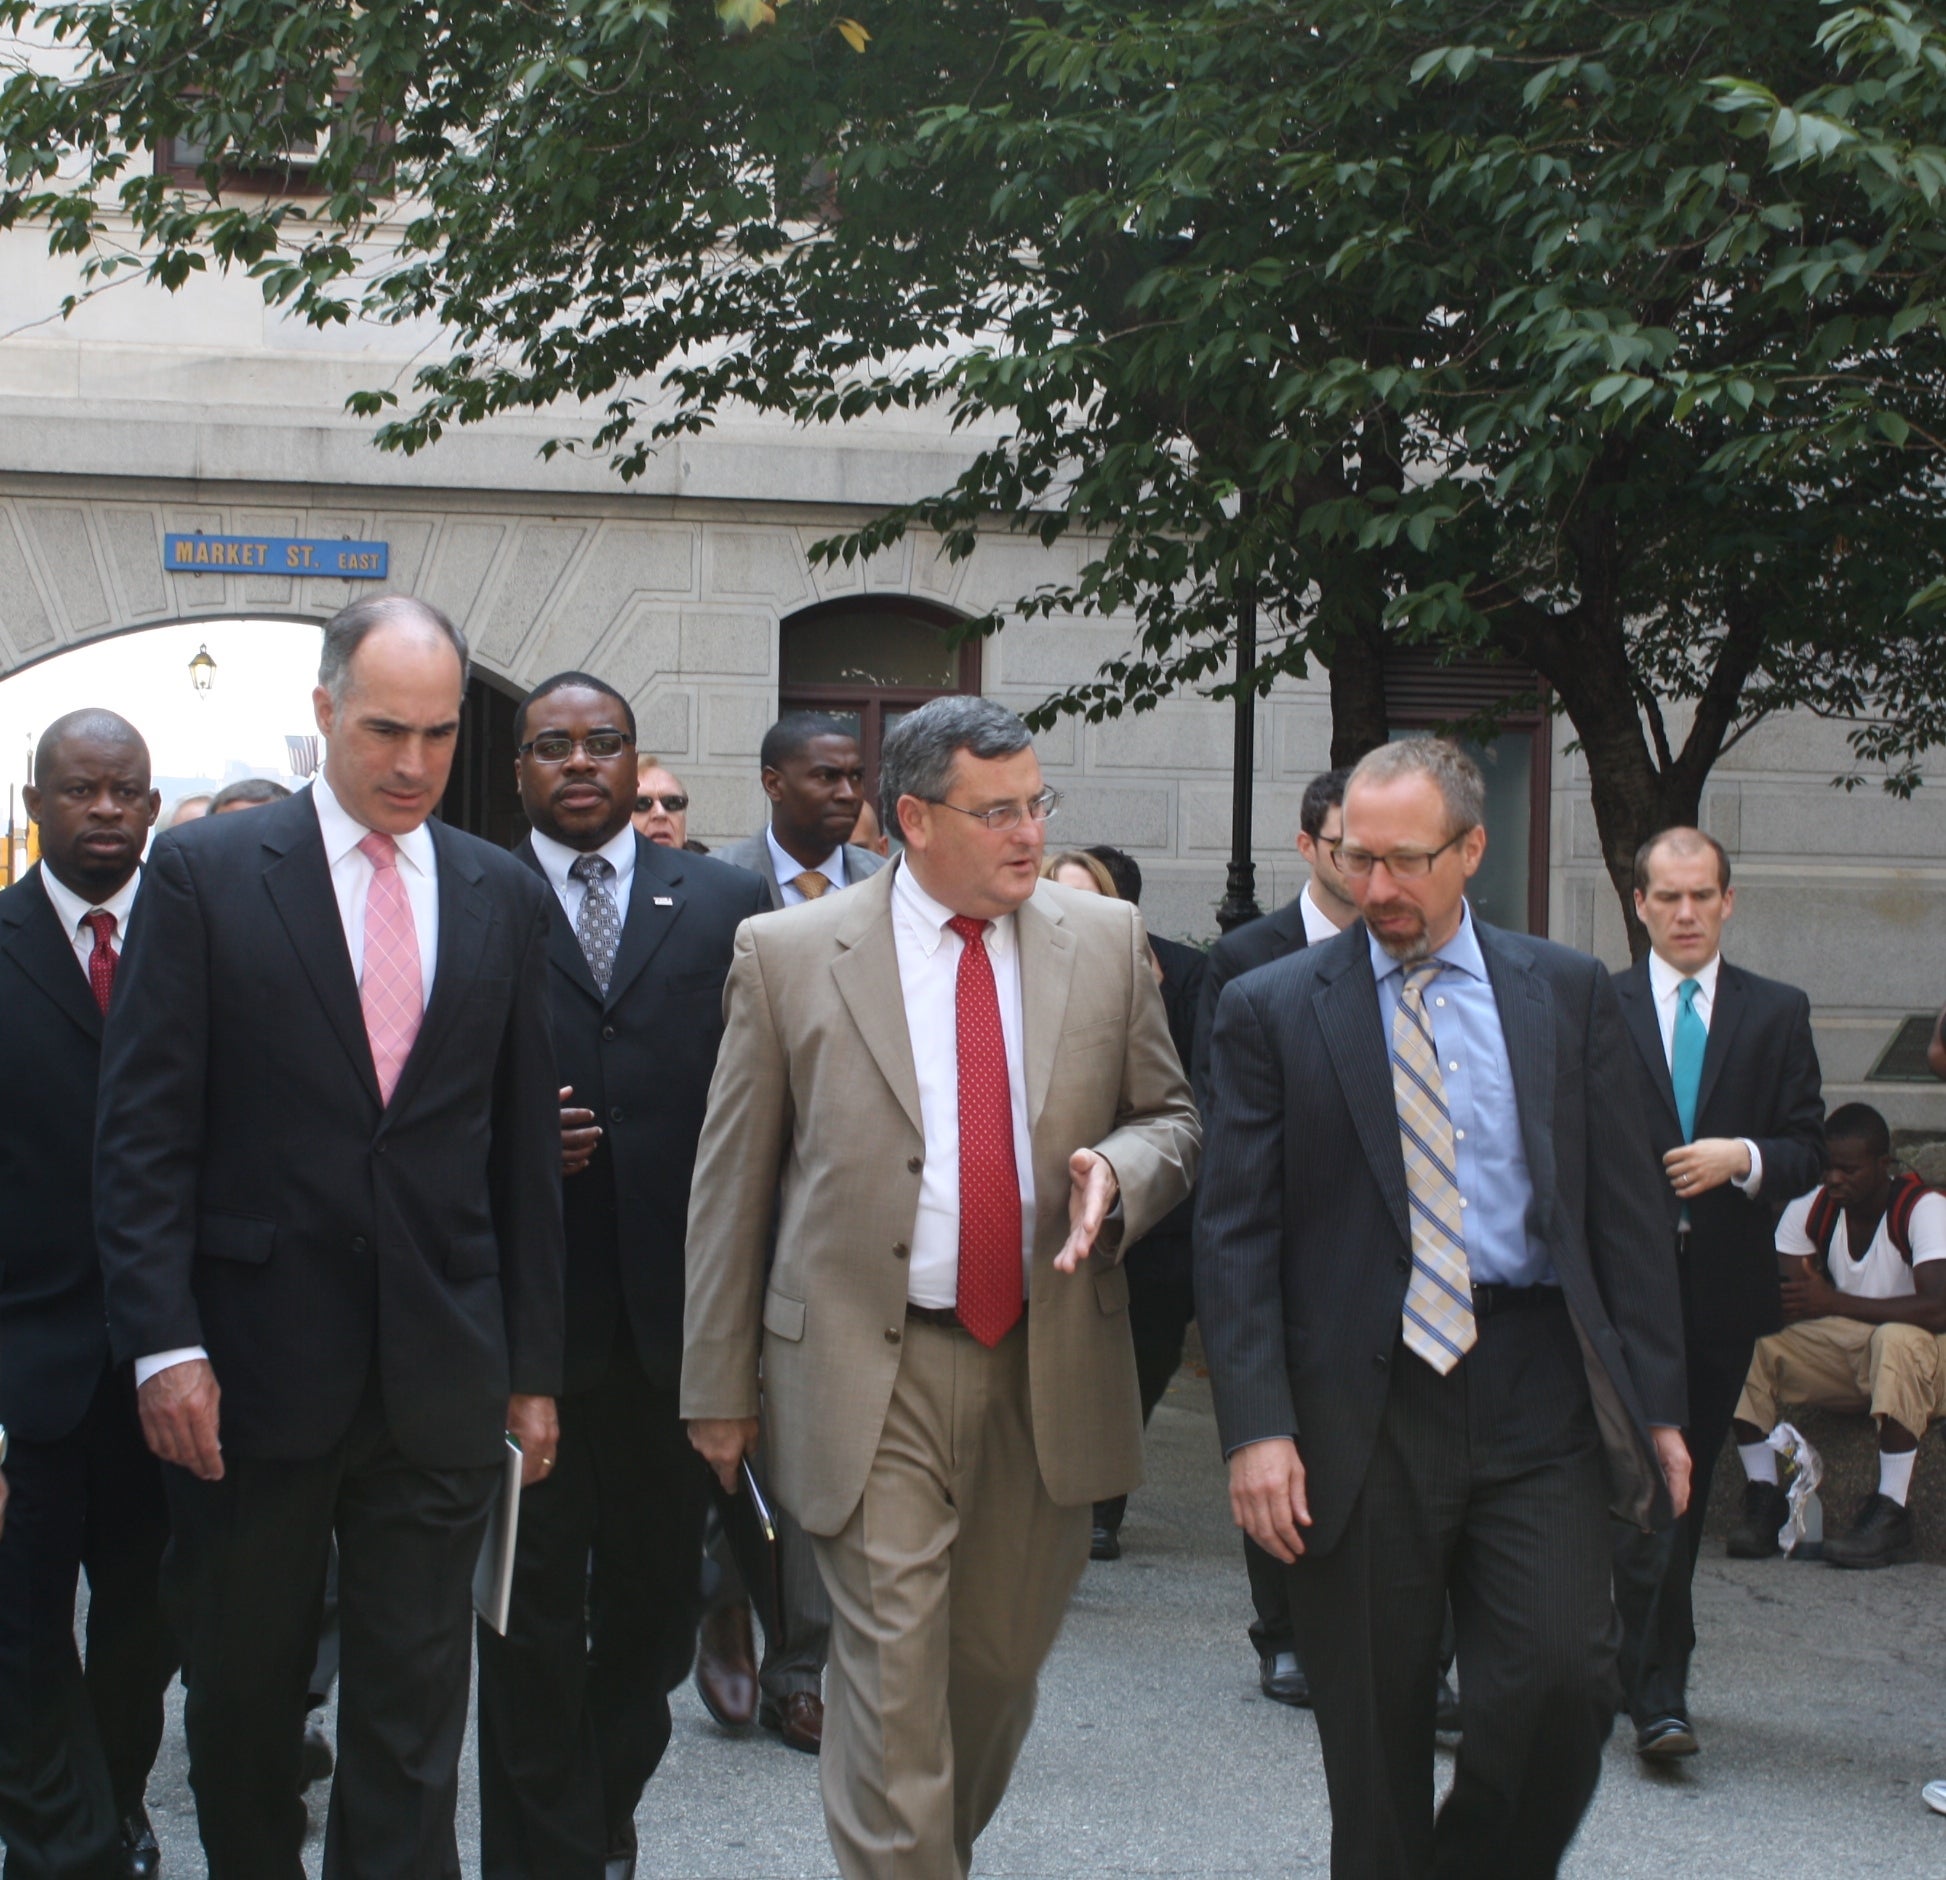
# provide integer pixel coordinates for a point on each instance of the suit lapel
(866, 972)
(1527, 1026)
(465, 916)
(1348, 1013)
(655, 905)
(1726, 1014)
(766, 866)
(1637, 996)
(298, 882)
(36, 944)
(563, 948)
(1046, 969)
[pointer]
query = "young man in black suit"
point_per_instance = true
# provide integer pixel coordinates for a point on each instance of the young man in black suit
(327, 1192)
(1318, 912)
(1436, 1371)
(1726, 1076)
(574, 1706)
(75, 1749)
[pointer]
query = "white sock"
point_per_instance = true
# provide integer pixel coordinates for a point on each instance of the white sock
(1759, 1462)
(1895, 1475)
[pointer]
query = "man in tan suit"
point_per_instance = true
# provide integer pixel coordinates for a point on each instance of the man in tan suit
(953, 1092)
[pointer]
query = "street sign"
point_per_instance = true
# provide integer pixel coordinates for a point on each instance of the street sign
(276, 554)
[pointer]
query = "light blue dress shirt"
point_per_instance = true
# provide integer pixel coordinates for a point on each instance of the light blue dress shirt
(1496, 1192)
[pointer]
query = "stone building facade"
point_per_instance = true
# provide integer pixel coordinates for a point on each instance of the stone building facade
(148, 415)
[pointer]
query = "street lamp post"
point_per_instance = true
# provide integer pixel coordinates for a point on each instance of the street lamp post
(1239, 904)
(202, 672)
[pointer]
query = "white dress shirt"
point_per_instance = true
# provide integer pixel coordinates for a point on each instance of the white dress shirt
(71, 910)
(788, 868)
(351, 882)
(929, 955)
(556, 858)
(1665, 981)
(1318, 925)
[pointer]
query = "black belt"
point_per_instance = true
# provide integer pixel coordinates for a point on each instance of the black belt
(948, 1316)
(1496, 1297)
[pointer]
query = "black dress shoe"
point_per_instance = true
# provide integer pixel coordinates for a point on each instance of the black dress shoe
(620, 1863)
(141, 1858)
(1105, 1544)
(1666, 1739)
(1881, 1536)
(798, 1719)
(317, 1760)
(1281, 1678)
(1765, 1509)
(1446, 1708)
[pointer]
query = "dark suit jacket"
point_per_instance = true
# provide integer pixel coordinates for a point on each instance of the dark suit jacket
(641, 1059)
(1256, 943)
(1303, 1248)
(252, 1195)
(1760, 1080)
(53, 1331)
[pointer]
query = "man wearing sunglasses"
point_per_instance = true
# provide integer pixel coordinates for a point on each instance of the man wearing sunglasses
(944, 1102)
(1437, 1364)
(574, 1706)
(661, 805)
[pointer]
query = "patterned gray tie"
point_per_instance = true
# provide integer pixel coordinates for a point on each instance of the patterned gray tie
(599, 924)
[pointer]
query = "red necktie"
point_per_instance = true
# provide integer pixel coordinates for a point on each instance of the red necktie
(101, 962)
(989, 1182)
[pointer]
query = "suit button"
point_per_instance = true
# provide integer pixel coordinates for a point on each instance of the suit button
(1379, 1360)
(914, 1164)
(900, 1250)
(359, 1243)
(1405, 1263)
(379, 1148)
(615, 1115)
(891, 1334)
(608, 1031)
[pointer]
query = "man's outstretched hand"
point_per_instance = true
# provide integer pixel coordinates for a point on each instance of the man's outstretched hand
(1092, 1190)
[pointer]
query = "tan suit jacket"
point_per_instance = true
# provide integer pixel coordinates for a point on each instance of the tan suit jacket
(814, 1126)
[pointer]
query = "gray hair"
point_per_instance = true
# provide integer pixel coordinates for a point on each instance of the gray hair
(346, 630)
(917, 759)
(1460, 784)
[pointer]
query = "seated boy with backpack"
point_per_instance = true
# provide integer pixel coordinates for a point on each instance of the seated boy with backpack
(1865, 1330)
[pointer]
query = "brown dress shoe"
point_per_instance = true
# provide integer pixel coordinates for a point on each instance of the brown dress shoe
(726, 1666)
(799, 1720)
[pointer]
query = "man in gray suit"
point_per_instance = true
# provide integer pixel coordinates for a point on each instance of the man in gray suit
(1422, 1364)
(814, 775)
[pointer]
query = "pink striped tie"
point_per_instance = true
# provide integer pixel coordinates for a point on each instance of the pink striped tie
(391, 991)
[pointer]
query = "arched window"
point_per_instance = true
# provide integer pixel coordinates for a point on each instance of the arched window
(869, 662)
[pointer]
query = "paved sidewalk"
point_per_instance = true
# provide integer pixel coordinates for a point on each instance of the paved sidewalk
(1819, 1701)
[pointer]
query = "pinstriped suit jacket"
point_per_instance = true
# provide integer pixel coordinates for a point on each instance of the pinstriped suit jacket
(1302, 1242)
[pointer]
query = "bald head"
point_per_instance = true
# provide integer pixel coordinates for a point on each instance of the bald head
(105, 728)
(396, 617)
(92, 798)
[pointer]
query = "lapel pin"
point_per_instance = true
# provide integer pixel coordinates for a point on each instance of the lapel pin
(665, 900)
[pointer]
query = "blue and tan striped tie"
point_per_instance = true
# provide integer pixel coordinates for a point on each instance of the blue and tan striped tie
(1439, 1297)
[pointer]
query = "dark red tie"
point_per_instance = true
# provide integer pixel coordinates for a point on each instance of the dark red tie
(101, 962)
(989, 1181)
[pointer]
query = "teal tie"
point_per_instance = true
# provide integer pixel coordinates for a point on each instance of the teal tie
(1686, 1060)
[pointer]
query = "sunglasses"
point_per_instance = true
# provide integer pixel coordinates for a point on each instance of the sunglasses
(671, 805)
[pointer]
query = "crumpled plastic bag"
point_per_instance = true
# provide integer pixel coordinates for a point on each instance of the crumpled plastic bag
(1806, 1472)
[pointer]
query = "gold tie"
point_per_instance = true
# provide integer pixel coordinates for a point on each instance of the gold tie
(1439, 1323)
(811, 884)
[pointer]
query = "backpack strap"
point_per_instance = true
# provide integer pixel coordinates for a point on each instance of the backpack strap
(1821, 1223)
(1907, 1192)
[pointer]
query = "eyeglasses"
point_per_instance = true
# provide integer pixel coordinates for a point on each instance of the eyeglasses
(1007, 816)
(671, 805)
(1401, 864)
(556, 747)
